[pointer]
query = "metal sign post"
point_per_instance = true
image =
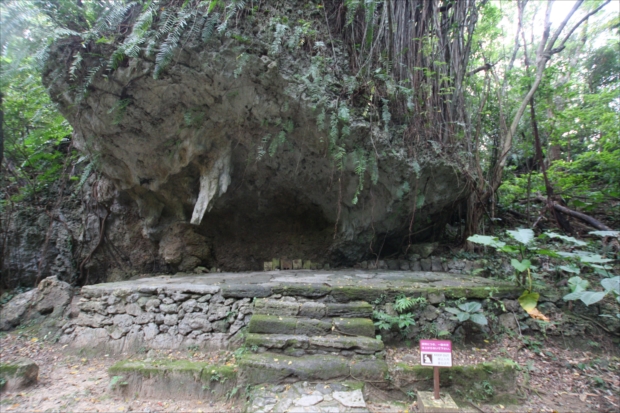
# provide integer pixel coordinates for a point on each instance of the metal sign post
(436, 353)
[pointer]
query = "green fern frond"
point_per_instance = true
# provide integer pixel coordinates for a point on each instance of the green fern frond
(209, 27)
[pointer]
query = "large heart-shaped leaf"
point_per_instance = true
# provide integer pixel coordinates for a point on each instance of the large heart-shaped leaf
(453, 310)
(606, 233)
(612, 284)
(479, 319)
(486, 240)
(591, 297)
(528, 300)
(521, 265)
(570, 268)
(470, 307)
(573, 296)
(594, 259)
(577, 284)
(462, 316)
(523, 235)
(565, 238)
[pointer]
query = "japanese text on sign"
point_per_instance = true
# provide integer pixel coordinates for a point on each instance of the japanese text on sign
(436, 353)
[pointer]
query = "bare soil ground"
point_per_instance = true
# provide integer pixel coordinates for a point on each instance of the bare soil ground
(77, 384)
(555, 375)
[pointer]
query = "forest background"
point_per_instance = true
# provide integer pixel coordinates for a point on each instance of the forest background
(541, 100)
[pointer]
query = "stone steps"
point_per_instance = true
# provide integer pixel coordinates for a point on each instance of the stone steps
(295, 340)
(269, 324)
(268, 367)
(297, 345)
(289, 307)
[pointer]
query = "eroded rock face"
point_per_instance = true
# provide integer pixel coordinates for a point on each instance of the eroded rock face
(191, 148)
(51, 298)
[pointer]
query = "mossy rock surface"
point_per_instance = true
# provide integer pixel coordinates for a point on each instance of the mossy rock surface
(268, 324)
(355, 326)
(493, 381)
(161, 379)
(18, 374)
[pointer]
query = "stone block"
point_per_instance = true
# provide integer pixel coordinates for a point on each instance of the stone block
(393, 264)
(286, 264)
(355, 326)
(436, 264)
(311, 309)
(353, 309)
(307, 265)
(18, 374)
(267, 266)
(297, 264)
(275, 263)
(276, 307)
(426, 264)
(312, 327)
(428, 404)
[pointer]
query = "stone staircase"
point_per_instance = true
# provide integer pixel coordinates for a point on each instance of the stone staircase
(291, 340)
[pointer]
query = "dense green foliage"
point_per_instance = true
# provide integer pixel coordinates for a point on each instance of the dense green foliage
(450, 87)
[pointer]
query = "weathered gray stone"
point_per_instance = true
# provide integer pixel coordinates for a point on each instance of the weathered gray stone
(197, 321)
(218, 313)
(312, 327)
(116, 309)
(133, 309)
(189, 305)
(93, 306)
(309, 400)
(436, 298)
(204, 298)
(150, 331)
(13, 311)
(425, 264)
(171, 319)
(18, 374)
(236, 326)
(249, 290)
(53, 296)
(276, 307)
(178, 297)
(508, 321)
(311, 309)
(169, 308)
(430, 313)
(94, 320)
(436, 264)
(353, 398)
(152, 304)
(354, 326)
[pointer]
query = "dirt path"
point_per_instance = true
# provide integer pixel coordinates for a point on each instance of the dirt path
(78, 384)
(575, 375)
(556, 375)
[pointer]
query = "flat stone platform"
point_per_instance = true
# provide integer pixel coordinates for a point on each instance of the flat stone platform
(343, 285)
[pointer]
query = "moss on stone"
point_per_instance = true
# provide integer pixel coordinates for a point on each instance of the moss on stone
(492, 381)
(7, 369)
(346, 293)
(157, 367)
(267, 324)
(476, 292)
(302, 290)
(357, 326)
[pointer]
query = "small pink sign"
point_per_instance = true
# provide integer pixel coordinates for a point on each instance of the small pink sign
(436, 353)
(436, 346)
